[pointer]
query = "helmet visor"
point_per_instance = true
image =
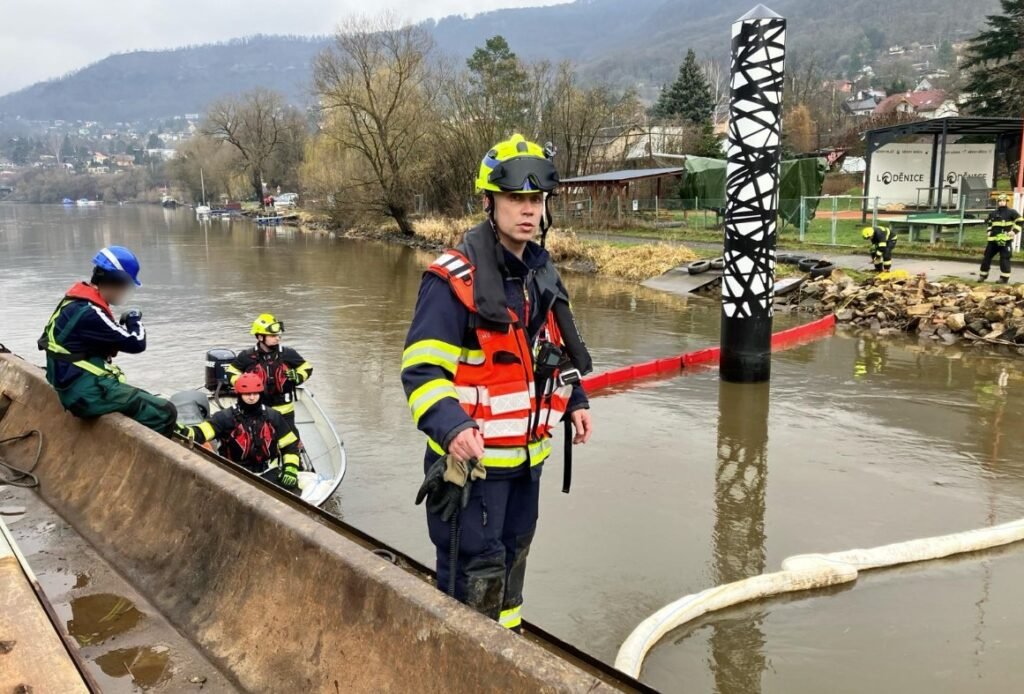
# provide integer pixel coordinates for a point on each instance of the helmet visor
(525, 175)
(275, 328)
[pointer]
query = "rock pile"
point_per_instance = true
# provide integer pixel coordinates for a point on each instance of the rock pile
(948, 312)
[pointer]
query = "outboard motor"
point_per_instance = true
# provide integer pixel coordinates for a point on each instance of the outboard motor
(216, 374)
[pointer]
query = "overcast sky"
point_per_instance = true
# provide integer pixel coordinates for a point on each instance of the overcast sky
(40, 39)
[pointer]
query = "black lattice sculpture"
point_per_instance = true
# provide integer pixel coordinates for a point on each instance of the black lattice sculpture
(752, 191)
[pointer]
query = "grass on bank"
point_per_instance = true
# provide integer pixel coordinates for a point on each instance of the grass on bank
(817, 237)
(631, 262)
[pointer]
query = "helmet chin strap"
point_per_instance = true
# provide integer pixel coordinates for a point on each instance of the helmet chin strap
(545, 220)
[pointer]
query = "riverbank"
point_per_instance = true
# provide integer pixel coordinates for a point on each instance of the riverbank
(948, 313)
(623, 261)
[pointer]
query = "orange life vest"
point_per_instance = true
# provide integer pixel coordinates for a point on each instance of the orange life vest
(496, 384)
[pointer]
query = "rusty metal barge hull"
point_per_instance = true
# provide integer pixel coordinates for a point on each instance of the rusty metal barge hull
(274, 594)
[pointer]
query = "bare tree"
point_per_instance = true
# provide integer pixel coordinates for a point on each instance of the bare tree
(718, 81)
(374, 86)
(257, 124)
(577, 119)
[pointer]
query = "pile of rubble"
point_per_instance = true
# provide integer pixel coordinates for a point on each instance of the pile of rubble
(948, 312)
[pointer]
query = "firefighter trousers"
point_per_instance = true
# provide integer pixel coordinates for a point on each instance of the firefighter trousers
(992, 249)
(495, 532)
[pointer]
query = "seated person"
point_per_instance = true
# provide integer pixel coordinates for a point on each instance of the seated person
(82, 338)
(253, 435)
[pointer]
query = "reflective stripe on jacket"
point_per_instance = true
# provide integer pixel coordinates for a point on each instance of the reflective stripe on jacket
(82, 335)
(1003, 221)
(258, 440)
(273, 366)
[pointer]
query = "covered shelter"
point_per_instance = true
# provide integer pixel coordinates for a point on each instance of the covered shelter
(1006, 132)
(617, 184)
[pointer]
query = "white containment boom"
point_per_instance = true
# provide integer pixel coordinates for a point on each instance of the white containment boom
(805, 572)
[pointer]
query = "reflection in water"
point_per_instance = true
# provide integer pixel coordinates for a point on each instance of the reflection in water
(96, 618)
(737, 658)
(147, 666)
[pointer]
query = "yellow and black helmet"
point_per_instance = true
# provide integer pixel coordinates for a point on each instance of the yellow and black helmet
(867, 232)
(1003, 197)
(266, 324)
(517, 165)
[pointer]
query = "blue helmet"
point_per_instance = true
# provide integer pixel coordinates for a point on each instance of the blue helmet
(118, 261)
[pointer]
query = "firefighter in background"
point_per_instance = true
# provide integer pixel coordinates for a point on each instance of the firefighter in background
(82, 338)
(491, 366)
(1003, 224)
(883, 241)
(281, 368)
(253, 435)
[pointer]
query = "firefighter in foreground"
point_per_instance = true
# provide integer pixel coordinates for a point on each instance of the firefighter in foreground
(492, 364)
(1003, 224)
(281, 368)
(883, 241)
(253, 435)
(82, 337)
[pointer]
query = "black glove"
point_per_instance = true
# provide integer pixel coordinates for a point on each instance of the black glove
(132, 314)
(443, 497)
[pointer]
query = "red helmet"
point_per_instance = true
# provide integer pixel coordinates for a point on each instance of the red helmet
(249, 383)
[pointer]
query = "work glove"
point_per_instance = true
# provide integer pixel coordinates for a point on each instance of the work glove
(293, 375)
(132, 314)
(289, 476)
(184, 431)
(447, 485)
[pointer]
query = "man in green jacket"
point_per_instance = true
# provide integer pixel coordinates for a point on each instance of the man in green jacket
(82, 337)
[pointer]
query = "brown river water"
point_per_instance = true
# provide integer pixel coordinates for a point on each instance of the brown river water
(686, 484)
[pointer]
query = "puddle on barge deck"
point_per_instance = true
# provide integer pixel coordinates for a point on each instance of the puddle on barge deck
(126, 644)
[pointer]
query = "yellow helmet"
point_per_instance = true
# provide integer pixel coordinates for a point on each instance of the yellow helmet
(1003, 197)
(867, 232)
(266, 324)
(516, 165)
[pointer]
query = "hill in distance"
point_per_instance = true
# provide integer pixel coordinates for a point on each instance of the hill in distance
(624, 42)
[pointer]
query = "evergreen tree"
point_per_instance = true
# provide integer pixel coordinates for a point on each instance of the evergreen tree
(501, 83)
(995, 64)
(709, 144)
(689, 97)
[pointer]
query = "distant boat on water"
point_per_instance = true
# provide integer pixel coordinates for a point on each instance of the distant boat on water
(86, 202)
(168, 201)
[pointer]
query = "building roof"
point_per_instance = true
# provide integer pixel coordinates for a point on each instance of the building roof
(929, 100)
(867, 104)
(992, 127)
(623, 176)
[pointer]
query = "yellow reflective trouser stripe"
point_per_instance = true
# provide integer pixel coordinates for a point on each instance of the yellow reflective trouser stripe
(429, 394)
(511, 618)
(434, 352)
(286, 408)
(287, 440)
(507, 457)
(207, 430)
